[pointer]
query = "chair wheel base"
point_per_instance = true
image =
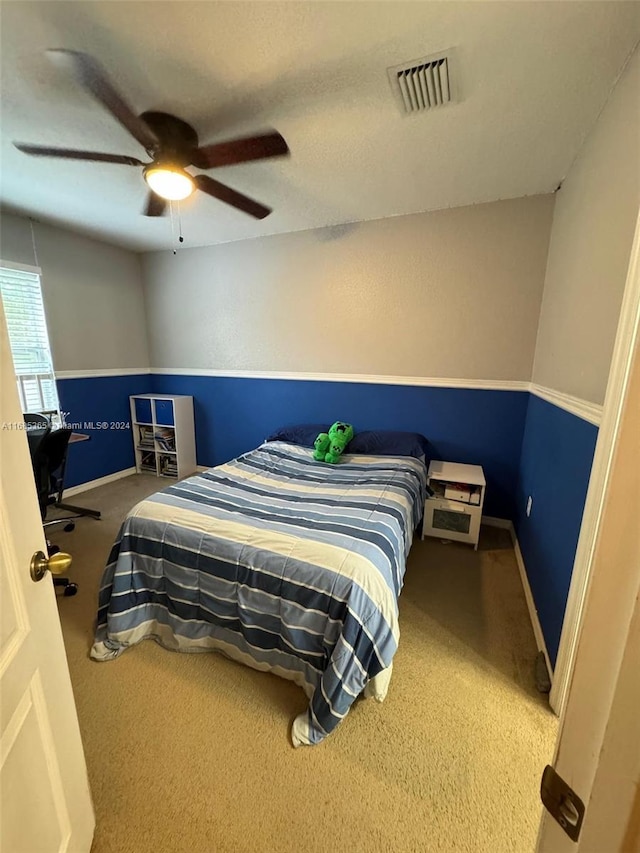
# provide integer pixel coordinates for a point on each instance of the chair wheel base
(70, 589)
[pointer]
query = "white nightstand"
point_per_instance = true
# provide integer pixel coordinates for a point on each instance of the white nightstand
(455, 510)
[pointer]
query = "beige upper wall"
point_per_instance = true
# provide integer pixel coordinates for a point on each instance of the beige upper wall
(455, 294)
(92, 295)
(593, 227)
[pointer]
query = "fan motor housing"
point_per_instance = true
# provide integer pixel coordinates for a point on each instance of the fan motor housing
(177, 137)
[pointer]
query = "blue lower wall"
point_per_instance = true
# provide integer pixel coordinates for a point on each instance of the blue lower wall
(557, 454)
(103, 399)
(482, 427)
(525, 445)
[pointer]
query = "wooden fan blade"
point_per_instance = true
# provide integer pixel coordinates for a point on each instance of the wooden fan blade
(229, 196)
(70, 154)
(240, 150)
(92, 77)
(156, 205)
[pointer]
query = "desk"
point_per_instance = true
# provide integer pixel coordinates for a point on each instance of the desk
(78, 436)
(74, 438)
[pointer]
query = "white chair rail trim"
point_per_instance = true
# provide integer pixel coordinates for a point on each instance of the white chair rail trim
(584, 409)
(98, 373)
(366, 378)
(591, 412)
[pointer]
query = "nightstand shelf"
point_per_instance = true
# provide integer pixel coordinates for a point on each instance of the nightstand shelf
(454, 511)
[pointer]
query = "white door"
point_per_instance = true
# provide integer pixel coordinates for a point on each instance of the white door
(45, 802)
(598, 748)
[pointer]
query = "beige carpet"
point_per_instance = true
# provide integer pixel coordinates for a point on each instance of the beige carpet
(191, 753)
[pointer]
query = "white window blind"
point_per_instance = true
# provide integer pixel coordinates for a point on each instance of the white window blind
(29, 340)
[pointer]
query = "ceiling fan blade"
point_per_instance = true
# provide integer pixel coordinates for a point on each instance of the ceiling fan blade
(156, 205)
(240, 150)
(70, 154)
(229, 196)
(92, 76)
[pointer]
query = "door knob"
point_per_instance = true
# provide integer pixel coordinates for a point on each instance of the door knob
(56, 563)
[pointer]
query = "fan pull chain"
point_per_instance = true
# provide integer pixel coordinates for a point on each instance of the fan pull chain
(173, 229)
(180, 237)
(173, 223)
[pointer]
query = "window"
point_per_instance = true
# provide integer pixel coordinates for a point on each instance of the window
(29, 340)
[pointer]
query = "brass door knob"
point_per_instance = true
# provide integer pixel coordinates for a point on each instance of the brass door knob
(56, 563)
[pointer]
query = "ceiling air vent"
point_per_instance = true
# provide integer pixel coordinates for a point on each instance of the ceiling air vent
(424, 84)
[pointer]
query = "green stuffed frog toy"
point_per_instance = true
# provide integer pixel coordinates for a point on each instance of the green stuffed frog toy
(330, 446)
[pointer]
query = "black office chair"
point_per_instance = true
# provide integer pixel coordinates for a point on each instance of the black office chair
(49, 462)
(37, 426)
(35, 420)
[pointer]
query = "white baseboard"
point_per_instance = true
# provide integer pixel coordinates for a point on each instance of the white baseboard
(492, 521)
(101, 481)
(533, 613)
(505, 524)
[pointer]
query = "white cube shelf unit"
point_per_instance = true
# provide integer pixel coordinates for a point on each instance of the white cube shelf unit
(163, 434)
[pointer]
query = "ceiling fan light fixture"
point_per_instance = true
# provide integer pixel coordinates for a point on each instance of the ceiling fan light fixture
(171, 143)
(170, 182)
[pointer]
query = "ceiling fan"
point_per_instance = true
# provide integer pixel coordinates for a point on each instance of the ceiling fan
(170, 142)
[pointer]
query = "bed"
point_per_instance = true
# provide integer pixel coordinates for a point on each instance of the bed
(285, 564)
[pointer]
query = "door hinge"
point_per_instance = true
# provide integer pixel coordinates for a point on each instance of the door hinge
(562, 802)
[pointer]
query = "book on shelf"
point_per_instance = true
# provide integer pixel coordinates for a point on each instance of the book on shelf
(148, 461)
(166, 438)
(146, 437)
(168, 466)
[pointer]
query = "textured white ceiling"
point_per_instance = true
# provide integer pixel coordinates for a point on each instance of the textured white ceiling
(532, 78)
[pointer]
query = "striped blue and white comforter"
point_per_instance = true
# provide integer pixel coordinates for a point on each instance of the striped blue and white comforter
(286, 564)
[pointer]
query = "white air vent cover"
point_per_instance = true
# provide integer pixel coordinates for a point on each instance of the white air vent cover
(425, 83)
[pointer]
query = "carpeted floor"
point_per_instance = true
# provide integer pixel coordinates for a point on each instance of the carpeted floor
(191, 753)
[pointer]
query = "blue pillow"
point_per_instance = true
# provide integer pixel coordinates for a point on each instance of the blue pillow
(303, 434)
(389, 443)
